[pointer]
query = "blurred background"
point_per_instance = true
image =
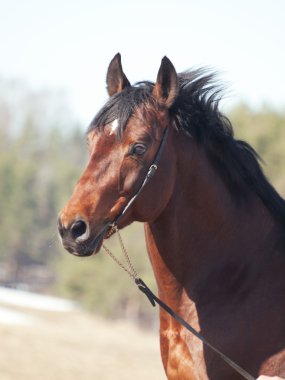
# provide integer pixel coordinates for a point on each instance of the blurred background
(67, 318)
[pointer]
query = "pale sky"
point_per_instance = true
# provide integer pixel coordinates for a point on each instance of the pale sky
(67, 45)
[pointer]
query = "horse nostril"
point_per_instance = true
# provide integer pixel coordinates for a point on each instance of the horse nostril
(78, 229)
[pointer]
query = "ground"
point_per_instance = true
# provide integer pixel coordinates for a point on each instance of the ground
(73, 345)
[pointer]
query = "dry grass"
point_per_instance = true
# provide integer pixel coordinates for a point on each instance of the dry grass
(77, 346)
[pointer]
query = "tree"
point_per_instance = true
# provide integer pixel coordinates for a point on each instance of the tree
(265, 130)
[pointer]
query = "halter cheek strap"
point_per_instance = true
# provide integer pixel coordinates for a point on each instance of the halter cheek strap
(151, 171)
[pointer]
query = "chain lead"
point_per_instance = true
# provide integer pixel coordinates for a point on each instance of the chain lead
(130, 270)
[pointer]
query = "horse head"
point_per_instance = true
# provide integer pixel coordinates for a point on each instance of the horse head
(123, 140)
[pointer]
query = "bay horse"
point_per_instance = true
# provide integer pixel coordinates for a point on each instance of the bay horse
(214, 225)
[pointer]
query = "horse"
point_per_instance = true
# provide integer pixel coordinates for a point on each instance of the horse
(214, 225)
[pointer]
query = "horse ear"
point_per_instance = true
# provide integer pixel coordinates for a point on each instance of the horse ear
(166, 86)
(116, 79)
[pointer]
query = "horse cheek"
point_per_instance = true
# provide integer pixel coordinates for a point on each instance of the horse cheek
(128, 179)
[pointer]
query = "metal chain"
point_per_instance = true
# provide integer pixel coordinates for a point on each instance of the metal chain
(126, 254)
(131, 271)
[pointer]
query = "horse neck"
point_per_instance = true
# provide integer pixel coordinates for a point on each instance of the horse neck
(204, 230)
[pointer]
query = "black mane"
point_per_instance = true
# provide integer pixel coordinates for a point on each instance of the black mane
(196, 113)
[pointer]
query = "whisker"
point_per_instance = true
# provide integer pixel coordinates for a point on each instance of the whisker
(54, 239)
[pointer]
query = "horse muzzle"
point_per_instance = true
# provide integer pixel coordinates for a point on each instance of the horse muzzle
(77, 239)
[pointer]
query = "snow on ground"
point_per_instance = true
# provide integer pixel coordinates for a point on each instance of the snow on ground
(11, 317)
(11, 298)
(21, 298)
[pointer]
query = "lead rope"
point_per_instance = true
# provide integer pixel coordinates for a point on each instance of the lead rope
(154, 299)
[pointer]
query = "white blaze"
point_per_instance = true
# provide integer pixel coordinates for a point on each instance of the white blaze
(114, 126)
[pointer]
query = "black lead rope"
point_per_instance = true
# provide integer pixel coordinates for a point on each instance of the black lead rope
(153, 300)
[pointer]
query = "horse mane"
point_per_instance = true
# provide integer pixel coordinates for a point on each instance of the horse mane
(195, 112)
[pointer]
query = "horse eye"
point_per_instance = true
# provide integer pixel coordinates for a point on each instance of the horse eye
(138, 149)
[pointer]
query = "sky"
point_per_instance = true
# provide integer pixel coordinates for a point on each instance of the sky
(66, 46)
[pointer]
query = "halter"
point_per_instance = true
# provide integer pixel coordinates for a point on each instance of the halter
(150, 173)
(140, 283)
